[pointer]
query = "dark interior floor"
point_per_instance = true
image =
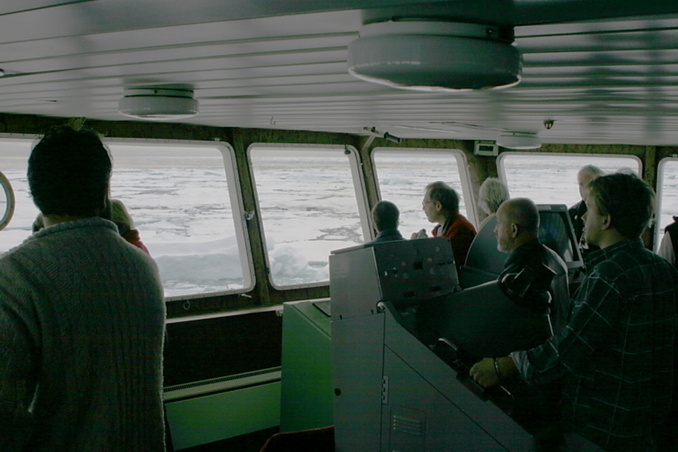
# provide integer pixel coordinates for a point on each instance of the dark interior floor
(252, 442)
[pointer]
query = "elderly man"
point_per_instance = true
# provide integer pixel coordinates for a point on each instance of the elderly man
(534, 276)
(615, 356)
(82, 316)
(491, 194)
(584, 177)
(441, 206)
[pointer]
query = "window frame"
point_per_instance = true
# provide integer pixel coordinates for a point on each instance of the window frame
(659, 196)
(24, 138)
(6, 216)
(235, 197)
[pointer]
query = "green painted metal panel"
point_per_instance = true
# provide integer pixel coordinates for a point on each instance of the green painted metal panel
(306, 387)
(215, 417)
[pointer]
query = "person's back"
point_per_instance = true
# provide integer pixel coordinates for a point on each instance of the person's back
(81, 323)
(95, 332)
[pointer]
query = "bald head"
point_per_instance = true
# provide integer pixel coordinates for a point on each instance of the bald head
(517, 223)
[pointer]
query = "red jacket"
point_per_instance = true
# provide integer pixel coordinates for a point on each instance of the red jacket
(132, 236)
(461, 234)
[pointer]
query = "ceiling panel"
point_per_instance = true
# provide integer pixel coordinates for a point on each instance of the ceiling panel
(8, 7)
(605, 74)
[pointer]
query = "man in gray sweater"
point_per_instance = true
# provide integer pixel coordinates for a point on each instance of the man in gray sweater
(82, 316)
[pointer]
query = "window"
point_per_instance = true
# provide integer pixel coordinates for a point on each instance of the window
(308, 206)
(14, 155)
(6, 201)
(403, 175)
(181, 197)
(667, 196)
(552, 178)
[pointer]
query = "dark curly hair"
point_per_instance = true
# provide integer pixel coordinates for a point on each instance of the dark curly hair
(68, 172)
(385, 215)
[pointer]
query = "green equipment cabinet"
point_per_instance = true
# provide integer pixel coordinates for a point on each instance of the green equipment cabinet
(307, 392)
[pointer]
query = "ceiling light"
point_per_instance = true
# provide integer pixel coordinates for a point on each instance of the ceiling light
(519, 140)
(435, 56)
(159, 103)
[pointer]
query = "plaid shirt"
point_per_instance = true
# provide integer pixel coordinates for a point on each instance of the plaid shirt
(616, 353)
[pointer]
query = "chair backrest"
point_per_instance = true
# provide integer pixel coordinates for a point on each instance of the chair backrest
(484, 261)
(313, 440)
(466, 317)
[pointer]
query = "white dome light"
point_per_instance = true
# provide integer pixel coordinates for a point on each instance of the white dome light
(519, 140)
(158, 103)
(434, 56)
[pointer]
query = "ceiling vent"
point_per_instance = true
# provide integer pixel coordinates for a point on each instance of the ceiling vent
(159, 103)
(519, 140)
(435, 56)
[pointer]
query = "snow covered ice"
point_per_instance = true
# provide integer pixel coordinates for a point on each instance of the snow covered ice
(180, 202)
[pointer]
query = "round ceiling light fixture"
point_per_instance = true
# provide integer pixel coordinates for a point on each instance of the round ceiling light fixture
(519, 140)
(435, 56)
(159, 103)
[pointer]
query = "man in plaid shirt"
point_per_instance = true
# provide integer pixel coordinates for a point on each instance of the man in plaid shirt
(615, 356)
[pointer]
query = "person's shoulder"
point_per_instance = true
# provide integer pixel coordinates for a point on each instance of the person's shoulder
(465, 224)
(532, 251)
(27, 250)
(578, 209)
(555, 259)
(627, 257)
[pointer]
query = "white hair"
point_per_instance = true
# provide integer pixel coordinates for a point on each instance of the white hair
(492, 194)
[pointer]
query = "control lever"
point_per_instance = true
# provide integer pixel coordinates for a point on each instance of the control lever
(471, 385)
(449, 353)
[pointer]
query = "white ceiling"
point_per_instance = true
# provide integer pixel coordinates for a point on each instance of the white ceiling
(604, 71)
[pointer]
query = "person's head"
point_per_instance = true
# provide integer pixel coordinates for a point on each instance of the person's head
(492, 193)
(68, 173)
(385, 216)
(584, 177)
(619, 206)
(440, 201)
(121, 217)
(517, 223)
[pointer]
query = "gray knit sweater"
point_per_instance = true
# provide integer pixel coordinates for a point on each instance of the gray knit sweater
(81, 335)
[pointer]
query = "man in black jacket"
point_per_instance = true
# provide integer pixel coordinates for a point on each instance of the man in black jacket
(534, 276)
